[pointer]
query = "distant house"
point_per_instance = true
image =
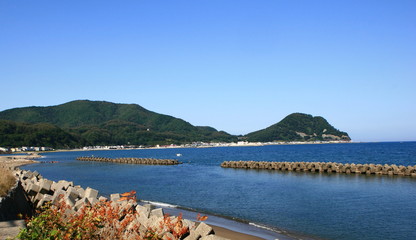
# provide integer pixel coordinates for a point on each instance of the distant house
(15, 149)
(46, 149)
(2, 149)
(24, 149)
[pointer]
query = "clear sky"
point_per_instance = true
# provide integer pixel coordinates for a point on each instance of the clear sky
(238, 66)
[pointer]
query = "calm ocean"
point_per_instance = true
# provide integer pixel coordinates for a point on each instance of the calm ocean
(324, 206)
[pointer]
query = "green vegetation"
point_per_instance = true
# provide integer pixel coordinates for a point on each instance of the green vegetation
(41, 134)
(81, 123)
(100, 123)
(298, 127)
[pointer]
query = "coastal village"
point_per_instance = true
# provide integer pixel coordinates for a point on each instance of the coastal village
(189, 145)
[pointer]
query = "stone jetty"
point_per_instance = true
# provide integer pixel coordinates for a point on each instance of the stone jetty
(326, 167)
(146, 161)
(39, 191)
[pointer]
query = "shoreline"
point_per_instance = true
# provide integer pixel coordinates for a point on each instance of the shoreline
(254, 144)
(231, 226)
(221, 231)
(14, 161)
(225, 227)
(214, 145)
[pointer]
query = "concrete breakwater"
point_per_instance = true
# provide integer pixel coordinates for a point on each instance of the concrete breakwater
(328, 167)
(141, 218)
(146, 161)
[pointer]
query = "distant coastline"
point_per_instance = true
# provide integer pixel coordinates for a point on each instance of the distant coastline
(199, 145)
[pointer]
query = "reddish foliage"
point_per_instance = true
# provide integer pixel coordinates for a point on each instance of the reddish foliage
(103, 220)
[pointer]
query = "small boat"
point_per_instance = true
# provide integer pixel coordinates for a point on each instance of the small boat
(178, 155)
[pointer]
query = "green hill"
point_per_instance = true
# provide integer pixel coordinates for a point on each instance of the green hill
(83, 122)
(298, 127)
(105, 123)
(14, 134)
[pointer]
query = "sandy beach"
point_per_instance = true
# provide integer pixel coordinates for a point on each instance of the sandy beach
(13, 161)
(232, 235)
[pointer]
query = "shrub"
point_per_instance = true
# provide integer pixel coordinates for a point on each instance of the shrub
(103, 220)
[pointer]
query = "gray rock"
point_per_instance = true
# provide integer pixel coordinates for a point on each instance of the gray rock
(80, 203)
(46, 198)
(27, 175)
(45, 185)
(132, 225)
(92, 201)
(148, 206)
(37, 198)
(193, 235)
(25, 183)
(35, 174)
(81, 192)
(142, 220)
(158, 212)
(125, 207)
(70, 201)
(62, 185)
(33, 189)
(114, 197)
(57, 196)
(102, 199)
(90, 193)
(154, 222)
(188, 223)
(142, 230)
(203, 229)
(72, 192)
(54, 186)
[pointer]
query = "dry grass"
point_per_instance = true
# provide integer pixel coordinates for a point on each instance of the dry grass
(7, 180)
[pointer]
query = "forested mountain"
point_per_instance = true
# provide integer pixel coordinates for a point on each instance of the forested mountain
(298, 127)
(83, 122)
(105, 123)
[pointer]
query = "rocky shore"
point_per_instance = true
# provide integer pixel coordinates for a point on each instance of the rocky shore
(34, 191)
(40, 191)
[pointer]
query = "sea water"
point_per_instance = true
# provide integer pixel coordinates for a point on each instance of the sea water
(319, 205)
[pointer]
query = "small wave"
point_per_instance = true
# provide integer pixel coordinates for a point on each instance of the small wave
(161, 204)
(264, 227)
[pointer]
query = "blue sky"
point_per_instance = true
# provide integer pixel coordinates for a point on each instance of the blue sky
(238, 66)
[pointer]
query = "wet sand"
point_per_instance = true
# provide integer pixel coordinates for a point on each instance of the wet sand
(232, 235)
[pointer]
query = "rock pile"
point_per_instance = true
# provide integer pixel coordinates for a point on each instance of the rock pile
(41, 190)
(147, 161)
(328, 167)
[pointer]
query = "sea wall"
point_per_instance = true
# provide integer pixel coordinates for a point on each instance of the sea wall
(147, 161)
(326, 167)
(40, 190)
